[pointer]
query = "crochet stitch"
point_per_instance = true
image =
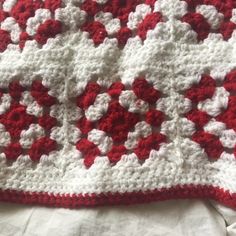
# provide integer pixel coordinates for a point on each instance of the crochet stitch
(117, 102)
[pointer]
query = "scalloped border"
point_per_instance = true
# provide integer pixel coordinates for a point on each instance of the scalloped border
(90, 200)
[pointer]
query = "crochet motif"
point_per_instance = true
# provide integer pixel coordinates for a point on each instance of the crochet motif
(109, 102)
(25, 122)
(119, 121)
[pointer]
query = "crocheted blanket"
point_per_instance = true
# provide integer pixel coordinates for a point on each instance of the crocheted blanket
(113, 102)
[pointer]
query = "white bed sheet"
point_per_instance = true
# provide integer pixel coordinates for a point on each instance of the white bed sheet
(169, 218)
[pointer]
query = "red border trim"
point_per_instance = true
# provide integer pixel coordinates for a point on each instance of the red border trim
(79, 200)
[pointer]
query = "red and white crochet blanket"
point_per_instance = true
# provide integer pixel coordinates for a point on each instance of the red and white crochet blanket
(112, 102)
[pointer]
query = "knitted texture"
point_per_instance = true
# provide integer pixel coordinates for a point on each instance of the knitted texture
(110, 102)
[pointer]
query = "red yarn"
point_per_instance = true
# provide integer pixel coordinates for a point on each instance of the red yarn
(52, 5)
(16, 119)
(147, 144)
(201, 91)
(24, 9)
(15, 89)
(209, 142)
(89, 151)
(3, 15)
(123, 35)
(47, 122)
(225, 6)
(84, 125)
(145, 91)
(89, 95)
(193, 3)
(49, 29)
(23, 38)
(150, 2)
(77, 200)
(90, 7)
(117, 122)
(228, 116)
(116, 152)
(200, 118)
(5, 39)
(148, 23)
(115, 89)
(230, 81)
(120, 8)
(226, 29)
(232, 102)
(96, 31)
(40, 94)
(42, 146)
(154, 117)
(198, 23)
(13, 150)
